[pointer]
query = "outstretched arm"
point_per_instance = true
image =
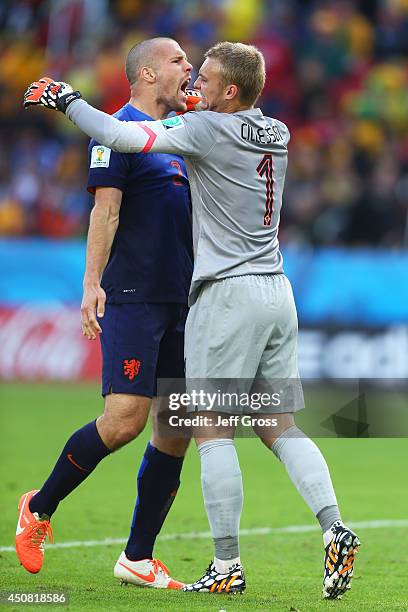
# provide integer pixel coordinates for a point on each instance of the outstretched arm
(125, 137)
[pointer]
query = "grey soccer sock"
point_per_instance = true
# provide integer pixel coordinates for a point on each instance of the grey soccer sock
(309, 473)
(327, 516)
(221, 483)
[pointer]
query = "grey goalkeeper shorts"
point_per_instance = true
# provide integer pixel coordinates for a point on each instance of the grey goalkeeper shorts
(241, 340)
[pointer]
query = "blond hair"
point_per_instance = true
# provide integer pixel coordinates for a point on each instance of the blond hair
(241, 65)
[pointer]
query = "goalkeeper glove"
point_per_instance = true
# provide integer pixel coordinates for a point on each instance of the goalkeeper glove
(56, 95)
(193, 99)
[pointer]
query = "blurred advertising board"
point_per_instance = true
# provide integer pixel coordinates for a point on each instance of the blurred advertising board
(354, 353)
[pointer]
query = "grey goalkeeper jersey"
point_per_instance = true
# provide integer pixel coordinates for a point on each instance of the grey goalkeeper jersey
(236, 165)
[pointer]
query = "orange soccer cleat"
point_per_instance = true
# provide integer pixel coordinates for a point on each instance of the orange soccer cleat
(30, 535)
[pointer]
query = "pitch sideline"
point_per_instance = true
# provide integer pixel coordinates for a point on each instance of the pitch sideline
(201, 535)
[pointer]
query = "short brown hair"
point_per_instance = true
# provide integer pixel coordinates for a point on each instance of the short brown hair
(241, 65)
(142, 54)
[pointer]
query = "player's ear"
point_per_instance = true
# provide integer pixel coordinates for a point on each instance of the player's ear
(147, 74)
(231, 92)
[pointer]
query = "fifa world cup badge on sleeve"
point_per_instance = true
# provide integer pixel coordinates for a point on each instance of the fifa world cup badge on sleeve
(100, 157)
(173, 123)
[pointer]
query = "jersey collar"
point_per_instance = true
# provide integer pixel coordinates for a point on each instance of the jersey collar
(137, 115)
(255, 112)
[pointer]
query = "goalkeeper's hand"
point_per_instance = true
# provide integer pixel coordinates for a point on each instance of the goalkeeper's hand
(56, 95)
(193, 101)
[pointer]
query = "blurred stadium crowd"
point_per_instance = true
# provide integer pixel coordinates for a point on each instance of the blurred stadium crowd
(337, 73)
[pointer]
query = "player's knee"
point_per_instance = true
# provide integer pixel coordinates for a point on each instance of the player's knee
(124, 418)
(269, 435)
(129, 429)
(115, 433)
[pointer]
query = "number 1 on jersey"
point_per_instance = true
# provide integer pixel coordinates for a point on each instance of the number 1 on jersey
(265, 169)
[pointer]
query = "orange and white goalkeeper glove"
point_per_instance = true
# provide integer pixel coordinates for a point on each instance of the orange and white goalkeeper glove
(193, 99)
(56, 95)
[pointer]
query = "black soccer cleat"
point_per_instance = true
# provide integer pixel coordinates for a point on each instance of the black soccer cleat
(339, 561)
(213, 582)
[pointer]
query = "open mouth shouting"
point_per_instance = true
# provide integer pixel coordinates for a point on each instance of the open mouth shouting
(183, 87)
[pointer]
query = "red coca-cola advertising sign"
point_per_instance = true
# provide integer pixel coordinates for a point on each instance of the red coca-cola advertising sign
(46, 344)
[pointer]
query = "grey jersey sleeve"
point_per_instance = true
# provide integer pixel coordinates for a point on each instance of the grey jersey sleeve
(284, 130)
(186, 135)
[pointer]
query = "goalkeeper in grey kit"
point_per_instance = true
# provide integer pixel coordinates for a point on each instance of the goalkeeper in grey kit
(242, 322)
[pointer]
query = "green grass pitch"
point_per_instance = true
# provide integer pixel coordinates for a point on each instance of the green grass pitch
(284, 570)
